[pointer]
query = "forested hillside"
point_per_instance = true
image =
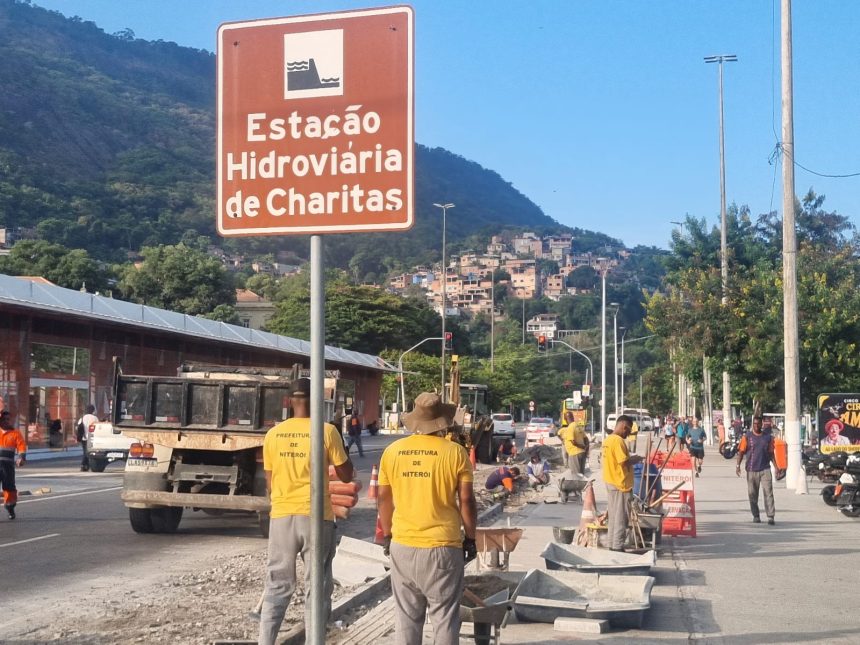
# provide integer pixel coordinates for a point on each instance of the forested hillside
(107, 144)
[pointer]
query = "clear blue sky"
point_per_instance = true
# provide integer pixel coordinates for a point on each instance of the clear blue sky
(603, 113)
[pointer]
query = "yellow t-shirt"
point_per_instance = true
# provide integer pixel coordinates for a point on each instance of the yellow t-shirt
(287, 453)
(570, 434)
(616, 469)
(424, 472)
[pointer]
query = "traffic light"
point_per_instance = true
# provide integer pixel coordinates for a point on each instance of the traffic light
(541, 343)
(449, 341)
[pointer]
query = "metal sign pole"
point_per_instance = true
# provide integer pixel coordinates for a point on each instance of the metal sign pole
(316, 629)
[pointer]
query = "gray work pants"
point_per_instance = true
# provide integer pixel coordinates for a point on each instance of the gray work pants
(426, 581)
(288, 537)
(574, 464)
(761, 480)
(619, 503)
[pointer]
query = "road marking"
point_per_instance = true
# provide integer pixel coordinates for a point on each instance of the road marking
(86, 492)
(35, 539)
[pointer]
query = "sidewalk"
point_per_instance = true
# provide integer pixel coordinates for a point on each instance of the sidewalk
(736, 582)
(43, 454)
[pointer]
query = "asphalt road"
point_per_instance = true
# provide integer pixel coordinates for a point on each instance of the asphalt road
(78, 525)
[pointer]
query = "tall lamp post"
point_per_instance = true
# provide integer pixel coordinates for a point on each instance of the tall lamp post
(603, 354)
(444, 208)
(615, 351)
(623, 334)
(724, 259)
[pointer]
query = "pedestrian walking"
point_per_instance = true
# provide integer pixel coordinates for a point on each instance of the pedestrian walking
(354, 433)
(696, 442)
(618, 477)
(758, 449)
(81, 431)
(287, 466)
(423, 539)
(11, 441)
(669, 433)
(681, 430)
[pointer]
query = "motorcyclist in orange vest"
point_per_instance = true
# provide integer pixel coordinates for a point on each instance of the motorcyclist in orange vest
(10, 441)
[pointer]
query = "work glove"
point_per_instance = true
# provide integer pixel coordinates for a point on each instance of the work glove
(470, 549)
(21, 461)
(386, 545)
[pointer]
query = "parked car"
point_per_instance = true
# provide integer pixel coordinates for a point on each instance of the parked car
(503, 425)
(105, 444)
(541, 430)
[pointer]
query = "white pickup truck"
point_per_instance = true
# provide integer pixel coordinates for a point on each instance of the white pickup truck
(105, 444)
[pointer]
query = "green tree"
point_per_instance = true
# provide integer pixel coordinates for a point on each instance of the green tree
(180, 279)
(70, 268)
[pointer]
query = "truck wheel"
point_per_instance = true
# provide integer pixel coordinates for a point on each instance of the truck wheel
(141, 520)
(166, 519)
(264, 524)
(98, 465)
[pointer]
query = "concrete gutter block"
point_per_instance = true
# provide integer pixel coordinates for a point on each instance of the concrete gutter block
(349, 571)
(581, 625)
(362, 549)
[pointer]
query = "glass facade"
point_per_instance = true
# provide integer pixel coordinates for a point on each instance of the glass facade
(52, 367)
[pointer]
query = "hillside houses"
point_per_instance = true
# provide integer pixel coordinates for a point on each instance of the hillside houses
(522, 262)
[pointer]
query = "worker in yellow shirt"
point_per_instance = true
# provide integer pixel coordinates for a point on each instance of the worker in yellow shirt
(425, 494)
(575, 444)
(287, 465)
(618, 476)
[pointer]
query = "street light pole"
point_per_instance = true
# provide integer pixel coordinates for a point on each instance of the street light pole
(623, 334)
(724, 259)
(603, 355)
(615, 352)
(400, 367)
(444, 208)
(492, 318)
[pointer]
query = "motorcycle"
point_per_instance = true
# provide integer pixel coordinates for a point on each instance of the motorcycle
(829, 468)
(847, 492)
(729, 448)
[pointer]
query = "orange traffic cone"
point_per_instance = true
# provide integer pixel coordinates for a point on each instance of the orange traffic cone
(472, 458)
(589, 513)
(373, 489)
(379, 537)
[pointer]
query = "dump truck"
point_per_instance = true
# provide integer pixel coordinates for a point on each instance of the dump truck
(198, 440)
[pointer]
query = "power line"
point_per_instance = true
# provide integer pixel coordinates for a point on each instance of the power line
(779, 149)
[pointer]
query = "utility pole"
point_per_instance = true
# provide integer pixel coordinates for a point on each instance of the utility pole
(791, 360)
(444, 280)
(724, 259)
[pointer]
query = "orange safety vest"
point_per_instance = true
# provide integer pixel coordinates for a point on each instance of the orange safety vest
(10, 441)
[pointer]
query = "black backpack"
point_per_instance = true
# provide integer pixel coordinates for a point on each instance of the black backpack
(80, 430)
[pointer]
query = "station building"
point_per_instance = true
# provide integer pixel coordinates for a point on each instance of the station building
(57, 347)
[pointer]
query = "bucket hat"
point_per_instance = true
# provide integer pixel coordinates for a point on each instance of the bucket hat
(430, 414)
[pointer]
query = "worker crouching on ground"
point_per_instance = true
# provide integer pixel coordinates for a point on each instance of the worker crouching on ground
(503, 476)
(287, 464)
(618, 475)
(423, 539)
(538, 471)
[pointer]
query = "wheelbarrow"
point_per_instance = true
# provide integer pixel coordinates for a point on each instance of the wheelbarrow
(487, 599)
(494, 547)
(569, 484)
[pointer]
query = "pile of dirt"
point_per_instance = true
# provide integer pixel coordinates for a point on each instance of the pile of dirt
(188, 609)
